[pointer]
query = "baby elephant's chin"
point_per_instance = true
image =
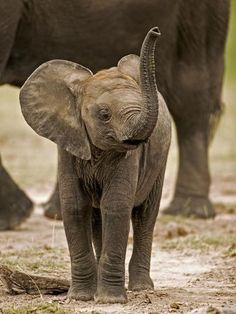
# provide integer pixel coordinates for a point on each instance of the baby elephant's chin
(127, 147)
(122, 147)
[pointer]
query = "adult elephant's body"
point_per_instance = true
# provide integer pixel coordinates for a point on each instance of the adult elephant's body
(98, 33)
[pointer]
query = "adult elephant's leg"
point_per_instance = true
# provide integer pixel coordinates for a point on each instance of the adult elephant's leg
(196, 123)
(52, 208)
(15, 206)
(196, 102)
(191, 196)
(191, 107)
(191, 113)
(143, 220)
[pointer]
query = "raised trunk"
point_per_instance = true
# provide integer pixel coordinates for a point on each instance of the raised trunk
(148, 118)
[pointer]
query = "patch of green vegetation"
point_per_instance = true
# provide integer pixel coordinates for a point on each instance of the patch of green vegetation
(231, 46)
(224, 207)
(203, 242)
(164, 219)
(231, 251)
(93, 312)
(36, 260)
(43, 308)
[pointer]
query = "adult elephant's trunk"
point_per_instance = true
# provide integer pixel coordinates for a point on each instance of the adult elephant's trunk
(149, 113)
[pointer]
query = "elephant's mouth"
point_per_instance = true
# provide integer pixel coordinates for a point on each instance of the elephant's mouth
(131, 142)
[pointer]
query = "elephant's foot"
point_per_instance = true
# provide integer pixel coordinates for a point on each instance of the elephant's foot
(138, 282)
(14, 211)
(107, 294)
(15, 206)
(52, 208)
(81, 293)
(190, 206)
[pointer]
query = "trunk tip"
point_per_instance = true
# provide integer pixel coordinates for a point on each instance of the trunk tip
(155, 31)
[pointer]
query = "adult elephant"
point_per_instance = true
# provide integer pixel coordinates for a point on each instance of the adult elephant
(97, 34)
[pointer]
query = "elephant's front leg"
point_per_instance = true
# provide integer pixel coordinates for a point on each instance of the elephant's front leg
(111, 269)
(116, 206)
(76, 212)
(193, 181)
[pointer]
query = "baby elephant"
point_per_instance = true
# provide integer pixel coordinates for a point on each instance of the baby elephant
(113, 133)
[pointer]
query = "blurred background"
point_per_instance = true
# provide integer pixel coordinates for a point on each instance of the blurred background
(31, 160)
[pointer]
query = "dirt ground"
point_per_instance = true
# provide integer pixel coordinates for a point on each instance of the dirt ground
(193, 261)
(193, 264)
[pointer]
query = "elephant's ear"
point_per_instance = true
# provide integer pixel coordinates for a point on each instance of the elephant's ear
(48, 102)
(129, 65)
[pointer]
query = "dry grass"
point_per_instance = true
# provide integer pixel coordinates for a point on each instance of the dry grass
(43, 308)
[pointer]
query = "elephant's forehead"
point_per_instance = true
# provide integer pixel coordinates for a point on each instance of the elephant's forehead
(108, 81)
(118, 98)
(122, 95)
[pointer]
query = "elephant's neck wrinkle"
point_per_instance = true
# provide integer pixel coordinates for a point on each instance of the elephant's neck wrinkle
(99, 166)
(96, 172)
(99, 155)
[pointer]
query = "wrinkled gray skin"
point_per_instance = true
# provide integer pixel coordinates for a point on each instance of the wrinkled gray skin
(98, 34)
(113, 134)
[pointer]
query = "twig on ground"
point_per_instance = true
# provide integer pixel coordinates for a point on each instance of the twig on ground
(17, 282)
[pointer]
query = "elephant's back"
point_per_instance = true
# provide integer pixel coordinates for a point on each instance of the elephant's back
(95, 34)
(98, 33)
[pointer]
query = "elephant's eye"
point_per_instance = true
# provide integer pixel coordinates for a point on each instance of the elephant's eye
(104, 114)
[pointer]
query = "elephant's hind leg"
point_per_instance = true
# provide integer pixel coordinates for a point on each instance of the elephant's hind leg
(143, 220)
(15, 206)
